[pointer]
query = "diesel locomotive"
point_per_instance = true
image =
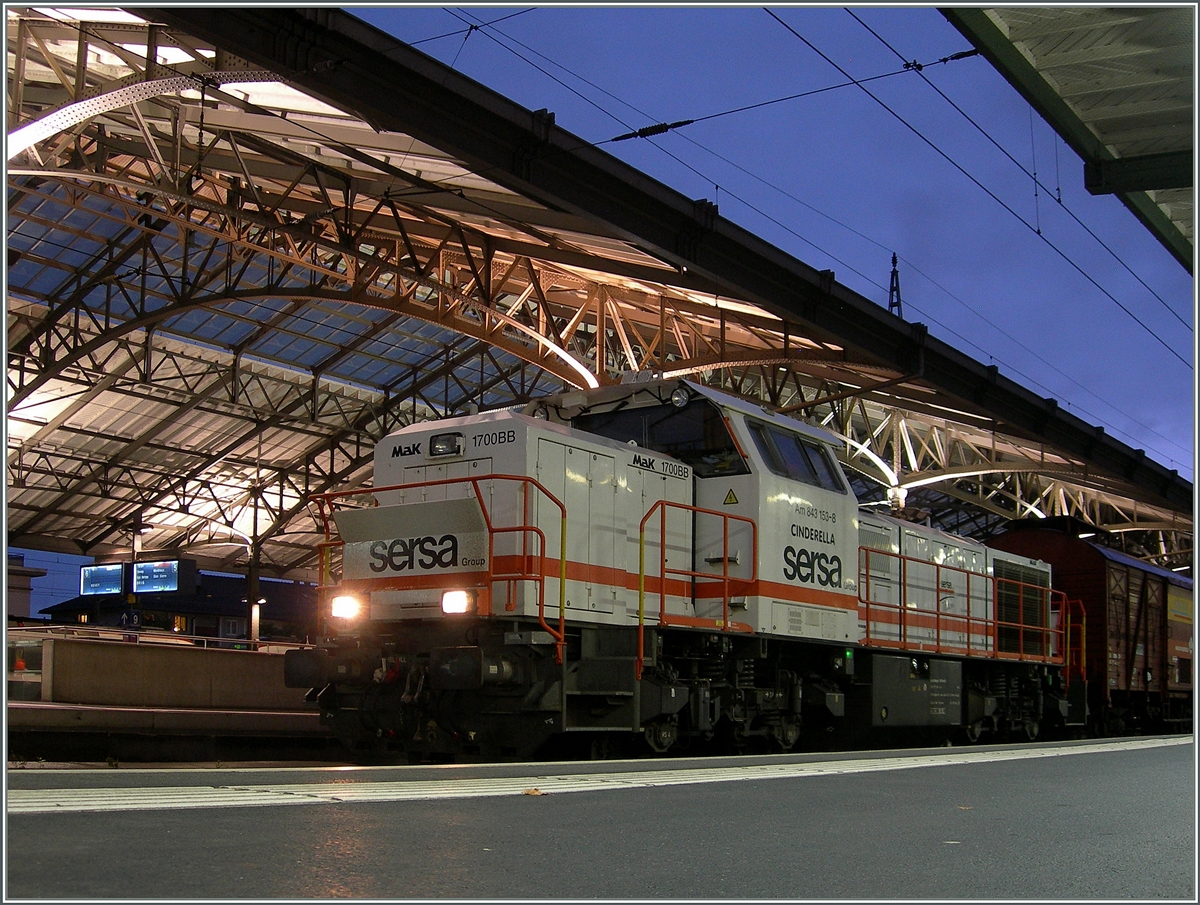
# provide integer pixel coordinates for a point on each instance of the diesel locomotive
(662, 566)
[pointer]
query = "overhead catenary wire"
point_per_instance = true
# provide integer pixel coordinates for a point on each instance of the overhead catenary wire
(972, 310)
(1021, 166)
(470, 28)
(663, 150)
(661, 128)
(789, 229)
(807, 241)
(1037, 211)
(1087, 276)
(466, 33)
(465, 41)
(548, 75)
(917, 67)
(618, 119)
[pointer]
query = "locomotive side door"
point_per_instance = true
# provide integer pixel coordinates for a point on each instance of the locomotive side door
(584, 482)
(726, 545)
(650, 480)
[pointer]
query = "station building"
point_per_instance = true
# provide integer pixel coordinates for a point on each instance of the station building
(213, 607)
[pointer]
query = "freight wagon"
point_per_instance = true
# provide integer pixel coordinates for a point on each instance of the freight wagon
(1134, 644)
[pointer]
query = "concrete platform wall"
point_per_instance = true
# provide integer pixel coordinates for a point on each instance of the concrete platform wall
(147, 675)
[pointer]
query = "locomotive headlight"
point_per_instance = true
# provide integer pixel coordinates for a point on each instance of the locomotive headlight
(680, 397)
(456, 602)
(445, 445)
(345, 607)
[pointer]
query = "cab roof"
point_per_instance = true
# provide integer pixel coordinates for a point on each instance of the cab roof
(646, 393)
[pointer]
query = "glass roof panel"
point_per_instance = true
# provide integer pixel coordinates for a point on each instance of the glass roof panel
(82, 14)
(282, 347)
(210, 325)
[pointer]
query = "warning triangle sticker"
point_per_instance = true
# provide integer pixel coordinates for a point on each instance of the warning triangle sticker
(730, 498)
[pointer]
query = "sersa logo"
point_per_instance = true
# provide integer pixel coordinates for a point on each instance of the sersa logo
(403, 554)
(806, 566)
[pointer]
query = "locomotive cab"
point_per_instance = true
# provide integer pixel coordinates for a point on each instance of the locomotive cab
(774, 512)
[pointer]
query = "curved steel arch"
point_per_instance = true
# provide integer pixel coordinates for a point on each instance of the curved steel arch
(67, 117)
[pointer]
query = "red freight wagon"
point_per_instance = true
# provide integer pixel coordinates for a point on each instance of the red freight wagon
(1136, 630)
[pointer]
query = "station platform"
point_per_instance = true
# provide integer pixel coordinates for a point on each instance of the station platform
(35, 716)
(126, 695)
(1115, 820)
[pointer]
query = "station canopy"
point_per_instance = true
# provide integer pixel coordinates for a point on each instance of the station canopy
(1117, 84)
(244, 244)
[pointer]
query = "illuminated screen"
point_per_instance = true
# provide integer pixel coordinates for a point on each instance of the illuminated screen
(155, 577)
(101, 579)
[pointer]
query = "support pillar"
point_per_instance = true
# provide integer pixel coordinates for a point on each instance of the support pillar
(253, 605)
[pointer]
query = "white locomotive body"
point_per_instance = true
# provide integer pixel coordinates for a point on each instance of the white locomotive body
(527, 480)
(658, 561)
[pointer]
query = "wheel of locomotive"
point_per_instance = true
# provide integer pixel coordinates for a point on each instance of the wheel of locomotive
(973, 732)
(661, 735)
(601, 747)
(372, 752)
(1031, 729)
(786, 734)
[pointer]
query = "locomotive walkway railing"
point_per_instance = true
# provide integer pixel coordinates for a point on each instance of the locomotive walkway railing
(531, 564)
(1037, 634)
(726, 581)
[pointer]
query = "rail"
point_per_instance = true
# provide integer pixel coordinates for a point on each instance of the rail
(726, 580)
(326, 506)
(921, 628)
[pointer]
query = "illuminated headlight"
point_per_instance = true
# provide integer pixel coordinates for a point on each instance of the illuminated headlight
(445, 445)
(346, 607)
(456, 602)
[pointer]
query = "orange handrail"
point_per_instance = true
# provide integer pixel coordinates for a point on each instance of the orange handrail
(661, 506)
(906, 615)
(326, 505)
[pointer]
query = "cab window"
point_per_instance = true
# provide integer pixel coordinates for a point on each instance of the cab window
(696, 434)
(792, 456)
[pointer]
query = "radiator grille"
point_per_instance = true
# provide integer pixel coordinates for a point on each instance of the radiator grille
(1022, 607)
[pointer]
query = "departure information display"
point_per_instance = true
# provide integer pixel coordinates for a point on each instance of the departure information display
(155, 577)
(103, 578)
